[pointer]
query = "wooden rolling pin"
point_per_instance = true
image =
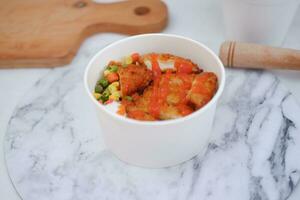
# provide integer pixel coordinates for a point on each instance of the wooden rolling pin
(254, 56)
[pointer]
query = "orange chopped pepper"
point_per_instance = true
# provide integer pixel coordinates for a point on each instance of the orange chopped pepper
(121, 110)
(112, 77)
(135, 57)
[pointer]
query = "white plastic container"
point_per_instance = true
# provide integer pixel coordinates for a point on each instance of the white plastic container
(161, 143)
(258, 21)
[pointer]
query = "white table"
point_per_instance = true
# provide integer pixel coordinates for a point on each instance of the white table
(15, 83)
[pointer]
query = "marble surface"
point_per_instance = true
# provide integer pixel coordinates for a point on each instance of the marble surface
(54, 150)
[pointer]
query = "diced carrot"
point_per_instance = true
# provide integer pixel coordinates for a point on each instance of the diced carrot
(112, 77)
(135, 57)
(108, 101)
(121, 110)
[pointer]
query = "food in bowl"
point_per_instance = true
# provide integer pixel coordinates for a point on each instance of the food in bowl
(159, 143)
(155, 86)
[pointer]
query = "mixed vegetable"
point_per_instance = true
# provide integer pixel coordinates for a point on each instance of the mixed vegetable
(107, 88)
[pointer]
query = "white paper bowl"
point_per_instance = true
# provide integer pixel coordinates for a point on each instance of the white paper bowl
(162, 143)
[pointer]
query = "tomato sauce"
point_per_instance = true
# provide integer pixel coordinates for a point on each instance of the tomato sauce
(137, 114)
(164, 87)
(161, 87)
(154, 105)
(200, 86)
(187, 84)
(183, 66)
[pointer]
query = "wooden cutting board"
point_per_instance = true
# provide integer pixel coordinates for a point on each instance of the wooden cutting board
(35, 33)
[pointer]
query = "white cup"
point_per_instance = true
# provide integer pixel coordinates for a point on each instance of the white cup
(160, 143)
(258, 21)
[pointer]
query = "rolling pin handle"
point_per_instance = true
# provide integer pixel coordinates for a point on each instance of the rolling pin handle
(248, 55)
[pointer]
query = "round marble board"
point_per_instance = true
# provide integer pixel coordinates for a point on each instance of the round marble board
(54, 148)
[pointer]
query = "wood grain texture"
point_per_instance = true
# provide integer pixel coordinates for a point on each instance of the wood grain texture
(248, 55)
(36, 33)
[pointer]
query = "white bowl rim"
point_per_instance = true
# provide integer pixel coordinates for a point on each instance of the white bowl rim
(163, 122)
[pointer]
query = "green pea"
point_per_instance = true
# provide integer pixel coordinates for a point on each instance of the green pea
(128, 98)
(113, 68)
(106, 93)
(103, 82)
(98, 88)
(105, 96)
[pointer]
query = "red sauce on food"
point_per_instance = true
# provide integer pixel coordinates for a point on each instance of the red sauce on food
(161, 87)
(200, 87)
(154, 104)
(187, 84)
(155, 67)
(164, 87)
(183, 66)
(137, 114)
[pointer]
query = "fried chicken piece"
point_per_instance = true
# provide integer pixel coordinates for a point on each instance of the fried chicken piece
(139, 108)
(178, 87)
(134, 78)
(185, 93)
(169, 112)
(171, 106)
(175, 105)
(203, 89)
